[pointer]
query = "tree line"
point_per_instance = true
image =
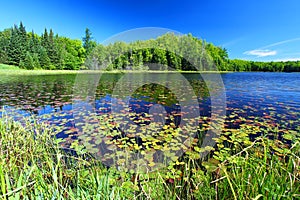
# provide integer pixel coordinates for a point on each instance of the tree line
(169, 51)
(184, 52)
(48, 51)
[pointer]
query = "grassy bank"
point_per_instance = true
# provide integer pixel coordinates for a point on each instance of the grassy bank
(13, 70)
(8, 67)
(33, 166)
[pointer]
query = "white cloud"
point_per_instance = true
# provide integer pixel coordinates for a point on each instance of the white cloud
(260, 53)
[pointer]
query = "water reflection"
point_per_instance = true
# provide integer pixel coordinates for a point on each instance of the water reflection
(274, 97)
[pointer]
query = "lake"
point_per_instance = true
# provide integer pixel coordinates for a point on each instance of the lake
(254, 98)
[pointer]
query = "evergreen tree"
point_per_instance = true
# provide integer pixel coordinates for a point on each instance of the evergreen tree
(13, 51)
(52, 50)
(23, 41)
(4, 44)
(34, 43)
(186, 52)
(88, 43)
(43, 58)
(36, 62)
(28, 61)
(18, 44)
(45, 39)
(21, 64)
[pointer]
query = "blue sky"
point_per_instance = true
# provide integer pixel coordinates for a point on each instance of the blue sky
(254, 30)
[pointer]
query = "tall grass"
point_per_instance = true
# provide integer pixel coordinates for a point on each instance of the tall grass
(34, 166)
(8, 67)
(14, 70)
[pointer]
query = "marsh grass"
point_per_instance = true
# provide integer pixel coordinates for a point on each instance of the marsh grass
(8, 67)
(14, 70)
(34, 166)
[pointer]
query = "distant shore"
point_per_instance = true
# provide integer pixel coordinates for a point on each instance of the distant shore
(13, 70)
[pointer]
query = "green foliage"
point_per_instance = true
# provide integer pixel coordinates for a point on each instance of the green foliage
(97, 58)
(219, 56)
(34, 43)
(52, 50)
(47, 51)
(31, 61)
(71, 53)
(34, 165)
(36, 62)
(88, 43)
(44, 58)
(28, 62)
(182, 53)
(169, 50)
(8, 67)
(244, 65)
(17, 46)
(4, 44)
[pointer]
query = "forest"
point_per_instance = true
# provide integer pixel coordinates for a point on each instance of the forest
(49, 51)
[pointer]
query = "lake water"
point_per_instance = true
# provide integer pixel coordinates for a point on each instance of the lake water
(273, 98)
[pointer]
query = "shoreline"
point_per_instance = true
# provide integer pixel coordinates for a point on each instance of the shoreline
(58, 72)
(18, 72)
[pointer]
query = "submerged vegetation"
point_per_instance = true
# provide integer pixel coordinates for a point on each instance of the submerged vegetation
(35, 166)
(69, 152)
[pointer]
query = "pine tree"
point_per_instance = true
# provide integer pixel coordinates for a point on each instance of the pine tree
(88, 44)
(13, 51)
(4, 42)
(45, 39)
(36, 62)
(28, 61)
(18, 45)
(21, 64)
(34, 43)
(53, 51)
(43, 58)
(23, 41)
